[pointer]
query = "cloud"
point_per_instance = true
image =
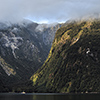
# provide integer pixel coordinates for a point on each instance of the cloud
(46, 10)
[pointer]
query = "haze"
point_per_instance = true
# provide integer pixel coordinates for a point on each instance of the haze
(46, 11)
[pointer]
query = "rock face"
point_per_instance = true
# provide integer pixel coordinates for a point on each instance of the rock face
(73, 64)
(23, 49)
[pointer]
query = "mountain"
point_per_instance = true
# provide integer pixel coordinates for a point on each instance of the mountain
(73, 63)
(23, 49)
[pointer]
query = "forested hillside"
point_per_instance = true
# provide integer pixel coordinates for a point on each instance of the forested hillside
(73, 64)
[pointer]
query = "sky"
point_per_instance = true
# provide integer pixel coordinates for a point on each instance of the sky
(47, 11)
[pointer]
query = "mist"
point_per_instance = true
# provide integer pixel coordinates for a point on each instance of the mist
(46, 11)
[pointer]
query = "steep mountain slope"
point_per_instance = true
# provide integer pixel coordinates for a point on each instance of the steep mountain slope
(23, 50)
(73, 64)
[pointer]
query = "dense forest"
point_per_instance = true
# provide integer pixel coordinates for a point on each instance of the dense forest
(73, 64)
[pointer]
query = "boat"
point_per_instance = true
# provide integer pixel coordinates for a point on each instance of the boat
(23, 92)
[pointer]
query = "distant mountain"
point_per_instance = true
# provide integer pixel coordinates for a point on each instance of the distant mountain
(73, 64)
(23, 49)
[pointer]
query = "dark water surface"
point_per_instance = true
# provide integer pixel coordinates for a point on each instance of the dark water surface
(48, 96)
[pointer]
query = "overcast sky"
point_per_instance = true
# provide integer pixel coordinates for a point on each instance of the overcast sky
(46, 10)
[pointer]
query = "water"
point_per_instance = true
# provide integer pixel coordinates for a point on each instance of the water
(47, 96)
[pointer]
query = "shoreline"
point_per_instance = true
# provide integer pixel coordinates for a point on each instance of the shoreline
(14, 93)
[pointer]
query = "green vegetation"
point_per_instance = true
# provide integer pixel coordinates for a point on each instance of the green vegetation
(73, 65)
(6, 67)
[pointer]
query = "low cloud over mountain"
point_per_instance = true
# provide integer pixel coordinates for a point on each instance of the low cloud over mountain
(46, 11)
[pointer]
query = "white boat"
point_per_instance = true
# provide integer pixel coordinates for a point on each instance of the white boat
(23, 92)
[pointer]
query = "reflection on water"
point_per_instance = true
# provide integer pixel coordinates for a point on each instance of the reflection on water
(47, 96)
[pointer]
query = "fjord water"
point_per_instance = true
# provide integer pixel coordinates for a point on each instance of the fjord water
(48, 96)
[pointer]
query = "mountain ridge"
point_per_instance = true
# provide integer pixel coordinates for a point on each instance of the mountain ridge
(22, 51)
